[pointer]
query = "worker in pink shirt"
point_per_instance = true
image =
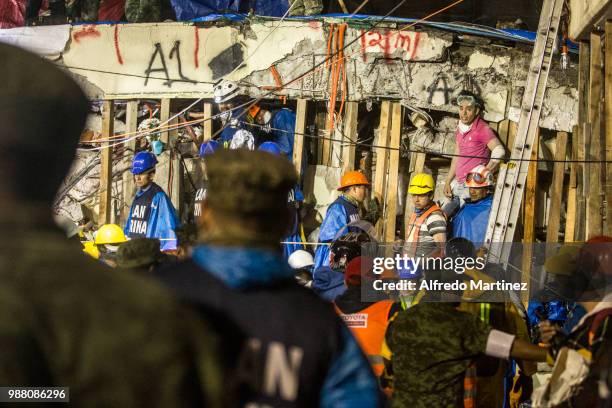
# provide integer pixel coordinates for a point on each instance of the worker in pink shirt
(475, 144)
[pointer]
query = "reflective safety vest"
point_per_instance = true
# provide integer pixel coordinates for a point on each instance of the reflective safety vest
(369, 327)
(415, 228)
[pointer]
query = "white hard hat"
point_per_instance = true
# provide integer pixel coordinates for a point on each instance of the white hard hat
(225, 90)
(242, 139)
(300, 259)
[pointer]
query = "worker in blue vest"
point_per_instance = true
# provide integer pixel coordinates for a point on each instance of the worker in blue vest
(472, 219)
(206, 149)
(354, 187)
(152, 214)
(293, 241)
(278, 125)
(233, 135)
(285, 347)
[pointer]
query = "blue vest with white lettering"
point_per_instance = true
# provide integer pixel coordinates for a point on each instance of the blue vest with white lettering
(141, 211)
(200, 195)
(263, 327)
(352, 212)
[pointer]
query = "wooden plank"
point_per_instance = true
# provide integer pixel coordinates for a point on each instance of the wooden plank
(349, 141)
(300, 129)
(594, 193)
(327, 143)
(512, 131)
(164, 115)
(106, 163)
(571, 217)
(556, 194)
(583, 82)
(207, 125)
(177, 173)
(530, 211)
(396, 135)
(131, 125)
(380, 173)
(503, 130)
(608, 127)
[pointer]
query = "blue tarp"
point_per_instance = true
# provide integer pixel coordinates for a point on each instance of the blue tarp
(196, 9)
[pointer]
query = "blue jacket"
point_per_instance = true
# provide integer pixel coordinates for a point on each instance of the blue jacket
(472, 219)
(284, 121)
(162, 219)
(349, 381)
(339, 214)
(327, 283)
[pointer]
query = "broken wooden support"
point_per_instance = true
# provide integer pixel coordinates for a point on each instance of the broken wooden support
(556, 193)
(380, 173)
(131, 126)
(301, 115)
(106, 163)
(608, 128)
(207, 125)
(594, 194)
(175, 184)
(349, 141)
(394, 145)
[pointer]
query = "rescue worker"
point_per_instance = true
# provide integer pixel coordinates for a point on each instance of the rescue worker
(344, 210)
(432, 344)
(152, 214)
(584, 356)
(301, 262)
(473, 218)
(108, 239)
(293, 241)
(206, 149)
(476, 144)
(426, 228)
(65, 319)
(367, 320)
(278, 125)
(274, 326)
(233, 135)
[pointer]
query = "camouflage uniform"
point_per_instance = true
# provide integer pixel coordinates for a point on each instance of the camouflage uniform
(143, 11)
(139, 253)
(432, 346)
(305, 7)
(117, 340)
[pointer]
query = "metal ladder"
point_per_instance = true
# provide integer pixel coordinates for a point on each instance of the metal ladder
(512, 177)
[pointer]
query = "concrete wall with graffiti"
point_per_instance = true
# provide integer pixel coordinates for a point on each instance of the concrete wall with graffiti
(425, 69)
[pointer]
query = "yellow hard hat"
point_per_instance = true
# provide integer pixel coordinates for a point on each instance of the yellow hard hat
(90, 248)
(421, 183)
(110, 234)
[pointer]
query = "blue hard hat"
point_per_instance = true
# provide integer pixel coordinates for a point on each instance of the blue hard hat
(270, 147)
(143, 162)
(208, 148)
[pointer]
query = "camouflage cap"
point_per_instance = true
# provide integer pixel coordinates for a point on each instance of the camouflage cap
(246, 182)
(138, 253)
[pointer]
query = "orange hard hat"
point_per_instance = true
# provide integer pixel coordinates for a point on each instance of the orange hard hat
(353, 178)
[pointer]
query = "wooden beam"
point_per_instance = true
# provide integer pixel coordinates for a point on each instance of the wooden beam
(349, 141)
(571, 217)
(594, 194)
(512, 131)
(503, 130)
(329, 136)
(583, 82)
(207, 125)
(608, 127)
(556, 194)
(164, 115)
(177, 173)
(396, 136)
(380, 173)
(530, 211)
(106, 163)
(300, 129)
(131, 125)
